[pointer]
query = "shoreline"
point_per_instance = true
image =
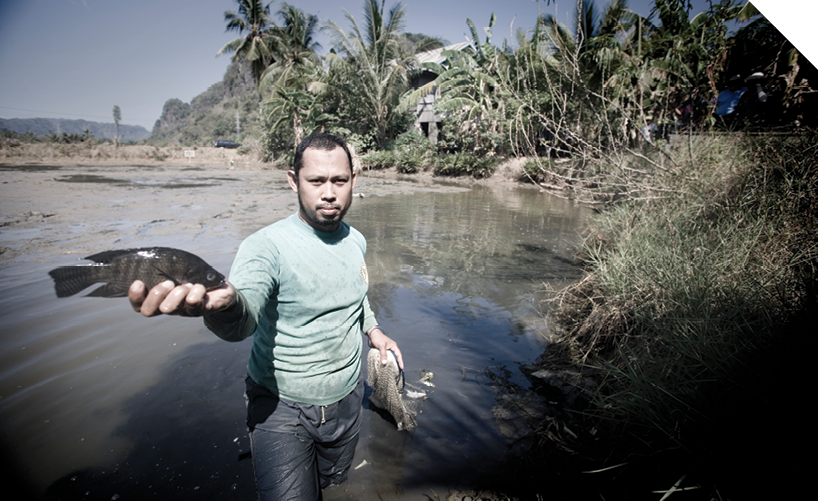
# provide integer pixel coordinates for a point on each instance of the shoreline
(93, 154)
(75, 206)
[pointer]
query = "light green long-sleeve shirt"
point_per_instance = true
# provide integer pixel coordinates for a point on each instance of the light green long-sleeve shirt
(303, 298)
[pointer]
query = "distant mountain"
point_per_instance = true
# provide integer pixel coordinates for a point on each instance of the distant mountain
(43, 126)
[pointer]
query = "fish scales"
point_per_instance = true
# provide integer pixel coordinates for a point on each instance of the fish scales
(118, 269)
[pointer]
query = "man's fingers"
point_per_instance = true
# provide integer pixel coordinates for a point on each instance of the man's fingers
(174, 299)
(196, 295)
(136, 295)
(379, 340)
(186, 300)
(155, 297)
(195, 300)
(170, 299)
(398, 355)
(220, 298)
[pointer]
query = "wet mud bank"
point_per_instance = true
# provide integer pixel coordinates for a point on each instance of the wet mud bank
(82, 207)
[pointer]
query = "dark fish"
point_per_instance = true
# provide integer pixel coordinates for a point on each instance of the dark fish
(118, 269)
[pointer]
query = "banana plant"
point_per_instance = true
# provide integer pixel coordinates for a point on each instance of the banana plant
(366, 65)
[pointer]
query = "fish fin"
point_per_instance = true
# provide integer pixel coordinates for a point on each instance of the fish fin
(164, 275)
(107, 256)
(69, 280)
(107, 290)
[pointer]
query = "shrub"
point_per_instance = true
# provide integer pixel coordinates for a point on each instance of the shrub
(412, 151)
(464, 163)
(378, 160)
(407, 154)
(407, 164)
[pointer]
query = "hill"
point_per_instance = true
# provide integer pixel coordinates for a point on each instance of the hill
(212, 114)
(43, 126)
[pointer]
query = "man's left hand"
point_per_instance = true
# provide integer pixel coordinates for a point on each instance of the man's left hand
(379, 340)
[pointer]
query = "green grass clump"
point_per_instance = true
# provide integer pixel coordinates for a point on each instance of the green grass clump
(377, 160)
(465, 163)
(408, 154)
(412, 152)
(403, 162)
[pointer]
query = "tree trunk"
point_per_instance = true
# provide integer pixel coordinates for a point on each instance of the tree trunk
(298, 130)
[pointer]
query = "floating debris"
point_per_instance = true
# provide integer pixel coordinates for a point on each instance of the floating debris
(426, 377)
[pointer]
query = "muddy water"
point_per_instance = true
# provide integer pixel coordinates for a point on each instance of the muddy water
(99, 403)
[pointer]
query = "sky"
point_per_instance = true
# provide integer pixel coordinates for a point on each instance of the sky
(76, 59)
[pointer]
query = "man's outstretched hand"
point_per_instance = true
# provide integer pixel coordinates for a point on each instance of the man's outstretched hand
(188, 300)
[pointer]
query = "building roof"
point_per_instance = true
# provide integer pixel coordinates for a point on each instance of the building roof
(436, 55)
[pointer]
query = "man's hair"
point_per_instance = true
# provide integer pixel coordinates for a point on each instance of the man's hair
(319, 141)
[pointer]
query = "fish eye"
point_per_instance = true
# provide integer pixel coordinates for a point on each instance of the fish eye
(211, 276)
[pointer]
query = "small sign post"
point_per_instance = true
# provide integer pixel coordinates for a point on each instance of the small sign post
(190, 154)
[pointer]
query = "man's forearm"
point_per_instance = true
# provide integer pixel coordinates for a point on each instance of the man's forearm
(233, 323)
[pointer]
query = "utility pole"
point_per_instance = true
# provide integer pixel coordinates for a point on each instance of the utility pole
(117, 119)
(238, 127)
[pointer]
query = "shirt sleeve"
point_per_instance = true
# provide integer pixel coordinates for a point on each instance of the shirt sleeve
(254, 274)
(234, 323)
(369, 317)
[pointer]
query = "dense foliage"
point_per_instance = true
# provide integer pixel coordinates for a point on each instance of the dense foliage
(613, 83)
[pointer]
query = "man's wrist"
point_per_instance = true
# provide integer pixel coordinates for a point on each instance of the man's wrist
(373, 329)
(234, 309)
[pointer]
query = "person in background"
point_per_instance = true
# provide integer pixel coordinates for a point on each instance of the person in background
(752, 108)
(728, 99)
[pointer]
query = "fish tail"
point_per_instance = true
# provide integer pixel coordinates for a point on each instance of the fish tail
(69, 280)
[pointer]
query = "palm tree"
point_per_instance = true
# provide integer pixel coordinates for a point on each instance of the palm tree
(294, 79)
(293, 46)
(252, 18)
(300, 106)
(368, 65)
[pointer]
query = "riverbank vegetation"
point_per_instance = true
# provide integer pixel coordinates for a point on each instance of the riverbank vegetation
(609, 83)
(688, 334)
(613, 84)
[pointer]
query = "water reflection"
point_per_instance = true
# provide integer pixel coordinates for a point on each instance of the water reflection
(96, 402)
(455, 278)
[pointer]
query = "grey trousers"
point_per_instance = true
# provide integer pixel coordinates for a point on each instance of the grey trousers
(299, 449)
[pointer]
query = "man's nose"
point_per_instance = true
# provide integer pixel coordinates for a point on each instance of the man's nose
(328, 191)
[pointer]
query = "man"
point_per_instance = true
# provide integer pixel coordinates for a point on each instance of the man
(299, 287)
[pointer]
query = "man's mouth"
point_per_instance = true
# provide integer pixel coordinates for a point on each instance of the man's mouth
(328, 210)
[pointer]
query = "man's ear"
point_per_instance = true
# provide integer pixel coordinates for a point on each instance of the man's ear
(293, 180)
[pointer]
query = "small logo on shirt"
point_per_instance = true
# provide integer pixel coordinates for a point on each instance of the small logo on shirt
(364, 274)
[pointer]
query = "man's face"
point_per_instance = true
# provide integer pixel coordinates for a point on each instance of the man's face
(324, 186)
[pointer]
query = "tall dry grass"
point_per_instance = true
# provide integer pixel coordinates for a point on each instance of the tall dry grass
(691, 295)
